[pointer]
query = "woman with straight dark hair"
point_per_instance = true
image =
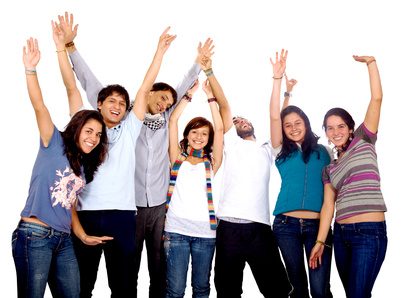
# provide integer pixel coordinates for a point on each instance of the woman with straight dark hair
(190, 227)
(300, 161)
(352, 188)
(42, 247)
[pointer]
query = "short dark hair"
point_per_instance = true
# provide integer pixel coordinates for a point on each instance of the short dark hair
(165, 87)
(91, 161)
(110, 89)
(194, 124)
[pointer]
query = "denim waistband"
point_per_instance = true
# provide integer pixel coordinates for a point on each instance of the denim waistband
(295, 220)
(51, 231)
(361, 225)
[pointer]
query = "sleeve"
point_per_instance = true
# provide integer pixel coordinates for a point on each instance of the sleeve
(275, 151)
(325, 175)
(187, 82)
(87, 79)
(231, 137)
(362, 132)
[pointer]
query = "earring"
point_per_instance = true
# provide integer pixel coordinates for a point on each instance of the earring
(328, 141)
(350, 138)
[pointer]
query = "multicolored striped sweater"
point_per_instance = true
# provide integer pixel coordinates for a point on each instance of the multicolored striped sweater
(355, 176)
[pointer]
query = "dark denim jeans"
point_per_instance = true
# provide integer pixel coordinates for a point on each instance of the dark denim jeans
(293, 235)
(119, 253)
(359, 251)
(178, 249)
(252, 243)
(150, 229)
(44, 255)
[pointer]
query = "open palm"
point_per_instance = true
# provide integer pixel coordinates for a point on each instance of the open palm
(31, 54)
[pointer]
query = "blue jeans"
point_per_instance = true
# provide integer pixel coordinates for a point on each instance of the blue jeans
(293, 235)
(44, 255)
(359, 251)
(178, 248)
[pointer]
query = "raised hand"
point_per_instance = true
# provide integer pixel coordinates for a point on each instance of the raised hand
(366, 59)
(66, 23)
(279, 64)
(290, 83)
(207, 89)
(204, 53)
(31, 54)
(165, 40)
(59, 36)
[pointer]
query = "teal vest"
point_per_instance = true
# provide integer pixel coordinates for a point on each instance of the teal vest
(301, 183)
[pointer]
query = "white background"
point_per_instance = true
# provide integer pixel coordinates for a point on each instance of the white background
(118, 39)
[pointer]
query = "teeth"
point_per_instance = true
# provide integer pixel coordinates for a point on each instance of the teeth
(89, 144)
(115, 113)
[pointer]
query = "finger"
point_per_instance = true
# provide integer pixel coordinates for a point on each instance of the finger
(271, 61)
(199, 47)
(285, 55)
(71, 19)
(75, 29)
(66, 17)
(166, 30)
(36, 47)
(24, 51)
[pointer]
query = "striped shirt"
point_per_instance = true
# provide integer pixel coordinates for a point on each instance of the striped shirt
(355, 176)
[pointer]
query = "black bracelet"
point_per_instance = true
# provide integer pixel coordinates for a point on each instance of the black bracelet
(187, 97)
(211, 99)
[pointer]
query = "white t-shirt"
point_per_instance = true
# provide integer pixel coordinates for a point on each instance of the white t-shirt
(188, 209)
(113, 184)
(245, 187)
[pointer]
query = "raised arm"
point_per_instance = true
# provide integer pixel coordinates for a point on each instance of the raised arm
(87, 79)
(73, 94)
(174, 149)
(218, 143)
(205, 53)
(326, 217)
(373, 114)
(289, 87)
(31, 56)
(140, 102)
(279, 66)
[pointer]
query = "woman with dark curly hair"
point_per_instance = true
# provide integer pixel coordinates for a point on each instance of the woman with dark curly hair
(42, 246)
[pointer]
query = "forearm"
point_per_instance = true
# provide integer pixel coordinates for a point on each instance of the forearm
(326, 213)
(275, 119)
(34, 91)
(188, 80)
(87, 79)
(225, 109)
(375, 81)
(76, 226)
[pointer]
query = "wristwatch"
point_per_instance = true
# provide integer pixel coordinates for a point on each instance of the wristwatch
(287, 94)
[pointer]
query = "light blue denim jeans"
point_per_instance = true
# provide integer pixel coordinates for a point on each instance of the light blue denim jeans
(44, 255)
(178, 249)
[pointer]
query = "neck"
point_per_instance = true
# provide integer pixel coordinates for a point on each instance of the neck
(250, 138)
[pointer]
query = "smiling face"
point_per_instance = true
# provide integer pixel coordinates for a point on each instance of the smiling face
(294, 128)
(159, 101)
(113, 109)
(90, 135)
(337, 131)
(244, 127)
(198, 137)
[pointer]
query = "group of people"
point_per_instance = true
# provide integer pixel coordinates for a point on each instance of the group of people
(118, 176)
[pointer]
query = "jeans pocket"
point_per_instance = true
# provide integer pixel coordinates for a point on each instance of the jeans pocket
(372, 233)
